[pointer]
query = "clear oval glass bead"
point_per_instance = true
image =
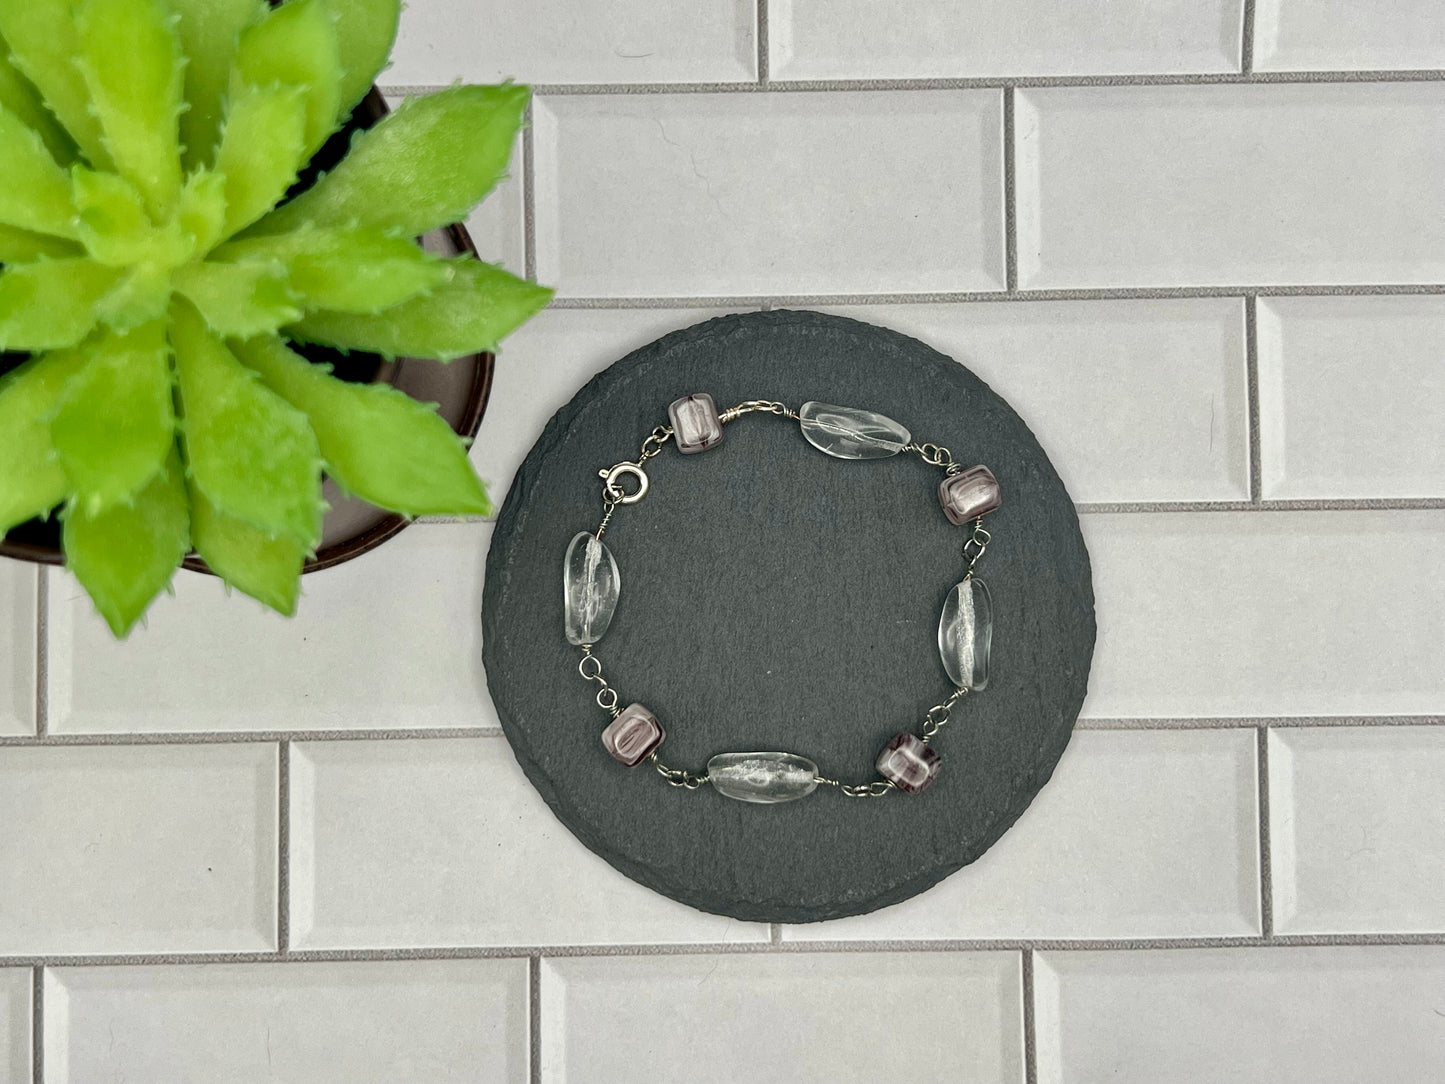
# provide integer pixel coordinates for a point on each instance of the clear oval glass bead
(590, 586)
(762, 777)
(850, 433)
(965, 634)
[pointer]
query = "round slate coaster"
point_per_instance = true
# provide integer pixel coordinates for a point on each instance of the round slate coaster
(776, 598)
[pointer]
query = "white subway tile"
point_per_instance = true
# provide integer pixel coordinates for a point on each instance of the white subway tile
(1197, 1016)
(1139, 834)
(575, 41)
(1133, 400)
(1231, 185)
(17, 647)
(1341, 35)
(15, 1025)
(1267, 613)
(1351, 393)
(372, 869)
(1357, 829)
(390, 639)
(805, 1018)
(679, 195)
(117, 849)
(442, 1022)
(544, 364)
(863, 39)
(498, 225)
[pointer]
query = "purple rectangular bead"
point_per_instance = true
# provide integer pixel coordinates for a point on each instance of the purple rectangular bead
(695, 424)
(632, 735)
(909, 763)
(969, 494)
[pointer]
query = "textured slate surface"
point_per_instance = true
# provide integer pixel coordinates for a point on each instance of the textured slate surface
(775, 598)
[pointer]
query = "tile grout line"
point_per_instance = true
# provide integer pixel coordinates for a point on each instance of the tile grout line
(1251, 394)
(237, 737)
(283, 846)
(529, 197)
(227, 737)
(1010, 201)
(1266, 870)
(1253, 722)
(37, 1025)
(1246, 40)
(951, 297)
(764, 44)
(1031, 1059)
(739, 948)
(982, 82)
(42, 652)
(534, 1019)
(1363, 504)
(223, 737)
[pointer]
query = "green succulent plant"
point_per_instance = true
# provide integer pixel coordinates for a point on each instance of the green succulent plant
(154, 276)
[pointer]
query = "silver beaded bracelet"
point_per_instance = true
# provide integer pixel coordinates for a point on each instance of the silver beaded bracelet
(591, 584)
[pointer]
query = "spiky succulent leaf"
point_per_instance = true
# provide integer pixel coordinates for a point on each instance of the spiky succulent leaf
(126, 554)
(34, 192)
(365, 32)
(131, 61)
(50, 305)
(114, 226)
(238, 299)
(266, 567)
(424, 166)
(475, 310)
(24, 246)
(252, 454)
(35, 481)
(201, 213)
(378, 443)
(357, 270)
(263, 145)
(209, 31)
(19, 96)
(112, 220)
(296, 45)
(141, 296)
(43, 45)
(115, 424)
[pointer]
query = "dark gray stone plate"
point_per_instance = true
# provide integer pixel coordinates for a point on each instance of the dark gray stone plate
(776, 598)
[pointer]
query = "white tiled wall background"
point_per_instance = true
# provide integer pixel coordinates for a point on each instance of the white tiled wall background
(1199, 244)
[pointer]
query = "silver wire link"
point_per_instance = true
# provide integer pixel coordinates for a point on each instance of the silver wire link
(974, 546)
(654, 442)
(936, 455)
(676, 777)
(606, 694)
(608, 507)
(766, 406)
(876, 789)
(938, 715)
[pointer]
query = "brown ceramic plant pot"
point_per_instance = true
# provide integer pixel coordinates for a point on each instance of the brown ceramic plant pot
(459, 388)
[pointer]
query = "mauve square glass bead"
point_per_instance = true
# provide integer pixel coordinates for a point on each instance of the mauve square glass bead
(695, 424)
(909, 763)
(969, 494)
(632, 735)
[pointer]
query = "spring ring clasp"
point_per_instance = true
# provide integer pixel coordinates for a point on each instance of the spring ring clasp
(614, 493)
